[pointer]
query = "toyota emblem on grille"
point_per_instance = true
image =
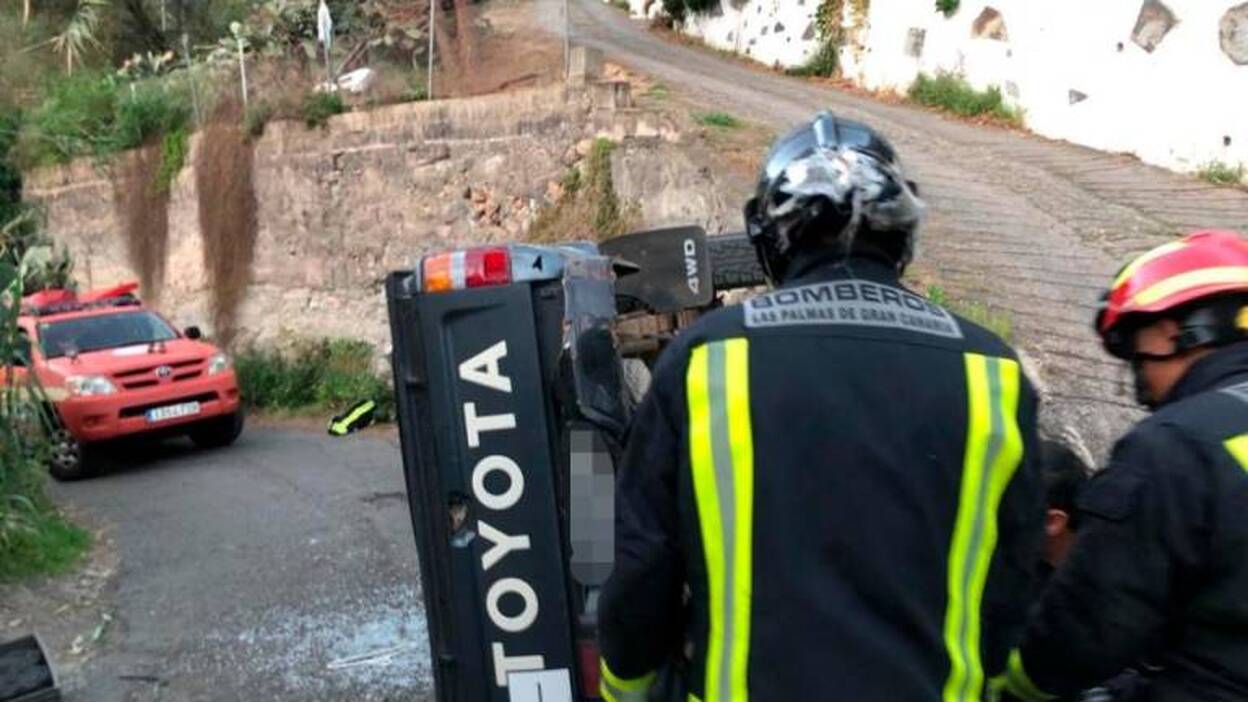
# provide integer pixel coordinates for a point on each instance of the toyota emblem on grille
(164, 372)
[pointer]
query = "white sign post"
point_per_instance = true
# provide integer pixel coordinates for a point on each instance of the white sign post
(237, 30)
(433, 18)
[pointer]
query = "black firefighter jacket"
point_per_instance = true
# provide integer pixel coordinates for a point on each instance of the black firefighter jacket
(828, 494)
(1160, 568)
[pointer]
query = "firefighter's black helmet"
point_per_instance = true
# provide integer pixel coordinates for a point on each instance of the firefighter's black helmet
(829, 183)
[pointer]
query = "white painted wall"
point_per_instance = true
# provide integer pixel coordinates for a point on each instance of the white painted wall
(1174, 107)
(774, 32)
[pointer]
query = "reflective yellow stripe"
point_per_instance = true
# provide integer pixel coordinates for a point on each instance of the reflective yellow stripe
(1018, 683)
(741, 436)
(994, 449)
(703, 467)
(1238, 446)
(613, 688)
(1192, 279)
(721, 452)
(344, 425)
(1153, 255)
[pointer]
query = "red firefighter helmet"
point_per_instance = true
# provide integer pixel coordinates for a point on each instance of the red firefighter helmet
(1170, 278)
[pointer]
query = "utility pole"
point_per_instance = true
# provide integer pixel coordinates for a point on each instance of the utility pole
(433, 18)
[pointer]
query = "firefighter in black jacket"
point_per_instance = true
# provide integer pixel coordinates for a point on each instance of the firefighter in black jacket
(830, 491)
(1159, 570)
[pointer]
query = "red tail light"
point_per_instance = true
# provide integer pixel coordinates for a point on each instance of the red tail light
(474, 268)
(587, 653)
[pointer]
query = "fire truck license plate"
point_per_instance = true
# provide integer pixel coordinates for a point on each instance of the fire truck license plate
(164, 414)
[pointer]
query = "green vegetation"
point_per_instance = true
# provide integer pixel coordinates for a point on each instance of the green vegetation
(96, 115)
(10, 175)
(147, 112)
(997, 321)
(173, 154)
(951, 92)
(658, 91)
(1220, 173)
(34, 537)
(318, 107)
(317, 376)
(824, 64)
(830, 20)
(947, 7)
(722, 120)
(44, 544)
(24, 247)
(90, 78)
(589, 207)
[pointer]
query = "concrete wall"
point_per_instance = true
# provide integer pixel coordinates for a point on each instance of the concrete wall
(1076, 71)
(340, 208)
(1080, 70)
(775, 32)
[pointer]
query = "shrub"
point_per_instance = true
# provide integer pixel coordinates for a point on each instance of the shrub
(34, 537)
(590, 207)
(325, 375)
(951, 92)
(74, 116)
(173, 153)
(1220, 173)
(719, 119)
(947, 7)
(318, 107)
(94, 115)
(147, 113)
(824, 64)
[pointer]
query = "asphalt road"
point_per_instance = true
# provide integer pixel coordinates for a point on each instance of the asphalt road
(1032, 226)
(258, 572)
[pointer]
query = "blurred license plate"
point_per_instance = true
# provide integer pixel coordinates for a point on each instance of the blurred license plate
(164, 414)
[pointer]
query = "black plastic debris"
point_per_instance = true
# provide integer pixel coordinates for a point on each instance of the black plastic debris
(26, 673)
(360, 416)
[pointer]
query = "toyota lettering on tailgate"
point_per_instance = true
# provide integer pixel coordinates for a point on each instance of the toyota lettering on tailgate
(509, 509)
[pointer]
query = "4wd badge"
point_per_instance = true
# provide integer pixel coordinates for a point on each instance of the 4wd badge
(691, 266)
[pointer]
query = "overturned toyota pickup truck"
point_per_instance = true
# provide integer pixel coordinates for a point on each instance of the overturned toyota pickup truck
(516, 370)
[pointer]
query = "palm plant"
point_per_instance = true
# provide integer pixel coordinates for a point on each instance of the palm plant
(80, 32)
(20, 415)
